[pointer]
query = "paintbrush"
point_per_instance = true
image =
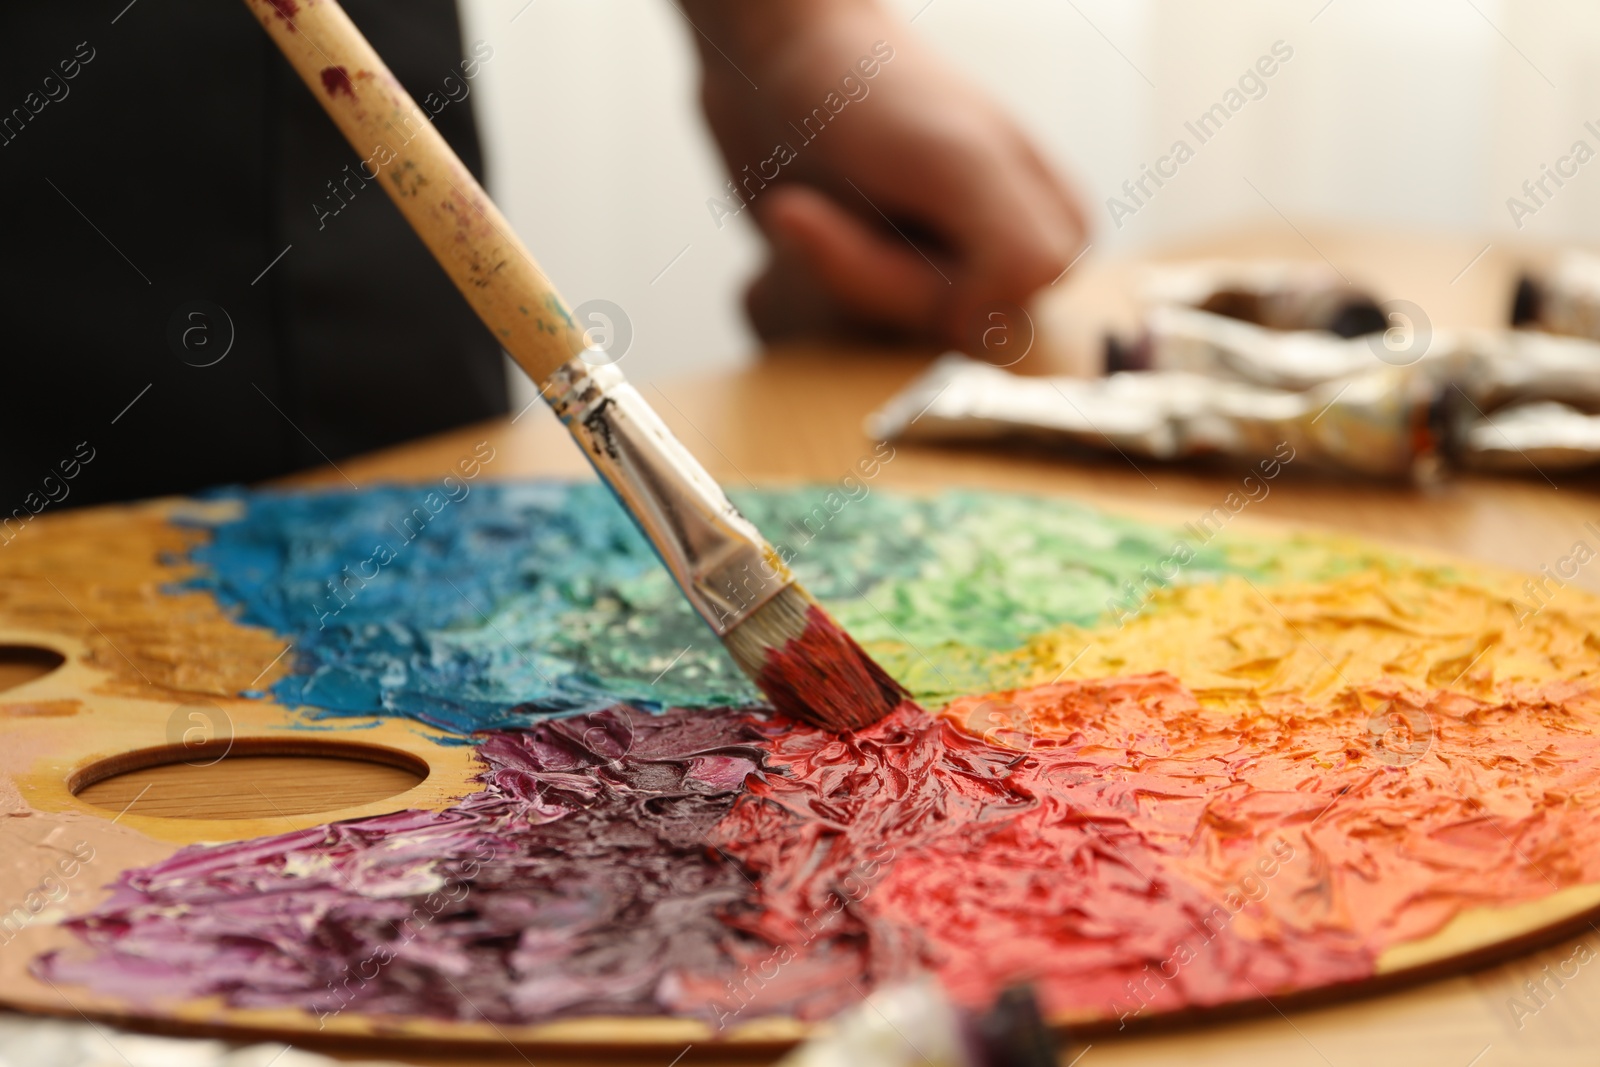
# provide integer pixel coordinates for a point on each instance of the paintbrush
(805, 663)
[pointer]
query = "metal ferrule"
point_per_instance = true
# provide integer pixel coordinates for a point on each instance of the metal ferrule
(721, 561)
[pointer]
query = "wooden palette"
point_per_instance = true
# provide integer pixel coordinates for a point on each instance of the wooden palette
(87, 589)
(148, 675)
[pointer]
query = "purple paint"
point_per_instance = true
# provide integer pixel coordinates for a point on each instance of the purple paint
(581, 879)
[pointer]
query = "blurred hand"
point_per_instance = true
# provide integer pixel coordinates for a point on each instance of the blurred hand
(909, 209)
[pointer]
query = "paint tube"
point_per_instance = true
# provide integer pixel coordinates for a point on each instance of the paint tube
(1562, 300)
(1521, 401)
(1499, 367)
(40, 1042)
(914, 1024)
(1180, 338)
(1377, 423)
(1544, 434)
(1406, 405)
(1492, 367)
(1502, 400)
(1278, 294)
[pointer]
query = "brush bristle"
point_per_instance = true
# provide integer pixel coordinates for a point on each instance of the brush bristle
(809, 667)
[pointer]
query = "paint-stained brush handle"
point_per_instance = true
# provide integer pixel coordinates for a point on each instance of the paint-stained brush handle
(722, 563)
(427, 181)
(806, 664)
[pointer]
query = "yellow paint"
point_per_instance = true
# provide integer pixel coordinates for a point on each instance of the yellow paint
(1237, 642)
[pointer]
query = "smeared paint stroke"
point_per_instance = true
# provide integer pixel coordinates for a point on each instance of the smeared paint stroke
(336, 80)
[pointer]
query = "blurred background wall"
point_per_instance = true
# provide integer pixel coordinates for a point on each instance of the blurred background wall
(1414, 115)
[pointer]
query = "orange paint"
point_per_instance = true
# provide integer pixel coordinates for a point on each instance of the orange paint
(1317, 835)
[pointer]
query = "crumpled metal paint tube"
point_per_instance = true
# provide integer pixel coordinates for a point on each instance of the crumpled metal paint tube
(1564, 299)
(1212, 384)
(1375, 424)
(914, 1024)
(1283, 295)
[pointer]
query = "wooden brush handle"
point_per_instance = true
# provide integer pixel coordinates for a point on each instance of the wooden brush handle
(427, 181)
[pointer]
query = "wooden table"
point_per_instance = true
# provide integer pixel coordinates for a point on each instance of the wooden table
(796, 417)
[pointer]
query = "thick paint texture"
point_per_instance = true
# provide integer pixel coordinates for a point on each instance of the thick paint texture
(580, 878)
(1254, 777)
(519, 600)
(507, 603)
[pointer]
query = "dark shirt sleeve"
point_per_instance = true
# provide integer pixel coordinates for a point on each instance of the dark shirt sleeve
(175, 192)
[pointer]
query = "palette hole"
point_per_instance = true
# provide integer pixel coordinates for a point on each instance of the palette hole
(247, 778)
(20, 664)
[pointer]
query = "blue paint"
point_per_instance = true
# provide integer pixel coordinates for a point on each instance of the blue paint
(518, 601)
(514, 601)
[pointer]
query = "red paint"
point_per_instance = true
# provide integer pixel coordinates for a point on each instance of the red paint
(1132, 850)
(336, 80)
(915, 846)
(824, 676)
(286, 10)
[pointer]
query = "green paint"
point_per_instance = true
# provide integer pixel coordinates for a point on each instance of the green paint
(942, 589)
(578, 614)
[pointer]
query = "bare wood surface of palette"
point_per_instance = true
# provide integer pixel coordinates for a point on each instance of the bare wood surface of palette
(797, 417)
